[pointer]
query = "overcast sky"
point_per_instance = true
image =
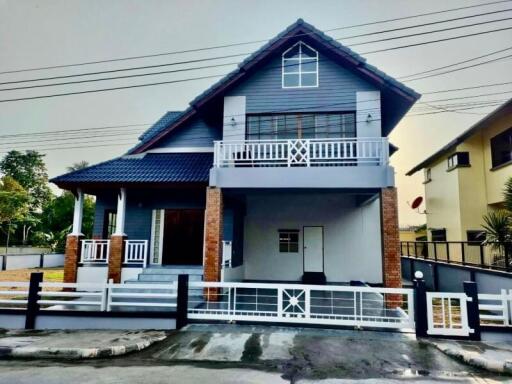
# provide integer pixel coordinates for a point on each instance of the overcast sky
(47, 33)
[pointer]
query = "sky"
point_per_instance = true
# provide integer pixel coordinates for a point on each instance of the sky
(48, 33)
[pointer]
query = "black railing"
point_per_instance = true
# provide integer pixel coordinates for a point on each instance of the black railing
(484, 255)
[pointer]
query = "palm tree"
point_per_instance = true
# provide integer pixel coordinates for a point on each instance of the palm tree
(77, 166)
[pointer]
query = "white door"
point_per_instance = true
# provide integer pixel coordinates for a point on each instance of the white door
(313, 249)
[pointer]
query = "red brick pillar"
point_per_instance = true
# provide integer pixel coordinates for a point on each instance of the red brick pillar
(390, 239)
(115, 258)
(213, 236)
(72, 257)
(392, 273)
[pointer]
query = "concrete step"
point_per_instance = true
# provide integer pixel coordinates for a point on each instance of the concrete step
(177, 270)
(147, 277)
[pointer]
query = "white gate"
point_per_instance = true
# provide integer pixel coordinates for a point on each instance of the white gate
(447, 314)
(307, 304)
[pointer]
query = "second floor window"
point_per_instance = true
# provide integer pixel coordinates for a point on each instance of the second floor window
(301, 126)
(458, 159)
(501, 148)
(300, 67)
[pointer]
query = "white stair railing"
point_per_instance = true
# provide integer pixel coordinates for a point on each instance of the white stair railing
(302, 152)
(95, 251)
(136, 251)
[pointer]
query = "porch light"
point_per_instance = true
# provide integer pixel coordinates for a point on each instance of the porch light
(369, 118)
(233, 122)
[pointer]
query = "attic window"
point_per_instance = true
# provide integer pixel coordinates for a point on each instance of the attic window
(300, 67)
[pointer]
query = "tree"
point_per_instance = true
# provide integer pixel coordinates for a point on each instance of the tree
(13, 203)
(77, 166)
(29, 170)
(57, 216)
(507, 193)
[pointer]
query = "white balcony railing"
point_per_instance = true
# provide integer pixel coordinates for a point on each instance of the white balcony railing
(302, 152)
(135, 252)
(95, 251)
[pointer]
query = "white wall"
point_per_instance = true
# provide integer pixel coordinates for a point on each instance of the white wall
(352, 236)
(53, 260)
(234, 118)
(368, 103)
(93, 274)
(22, 261)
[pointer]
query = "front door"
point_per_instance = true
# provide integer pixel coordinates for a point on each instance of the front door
(313, 249)
(183, 237)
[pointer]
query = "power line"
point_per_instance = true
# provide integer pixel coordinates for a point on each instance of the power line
(219, 75)
(461, 68)
(249, 42)
(454, 64)
(224, 57)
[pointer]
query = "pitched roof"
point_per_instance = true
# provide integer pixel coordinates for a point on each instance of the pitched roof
(502, 109)
(299, 28)
(151, 168)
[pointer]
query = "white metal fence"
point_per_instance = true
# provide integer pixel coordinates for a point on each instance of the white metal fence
(294, 303)
(136, 252)
(495, 308)
(95, 251)
(302, 152)
(447, 314)
(108, 296)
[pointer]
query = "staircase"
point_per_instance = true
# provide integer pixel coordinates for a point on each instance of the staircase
(168, 273)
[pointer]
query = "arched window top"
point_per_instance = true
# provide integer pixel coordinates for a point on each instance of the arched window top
(300, 67)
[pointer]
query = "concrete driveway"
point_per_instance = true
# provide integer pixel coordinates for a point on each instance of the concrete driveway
(257, 354)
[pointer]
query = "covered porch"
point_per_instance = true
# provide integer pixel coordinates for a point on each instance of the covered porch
(331, 236)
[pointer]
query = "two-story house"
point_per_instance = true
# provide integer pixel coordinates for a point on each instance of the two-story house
(465, 179)
(278, 172)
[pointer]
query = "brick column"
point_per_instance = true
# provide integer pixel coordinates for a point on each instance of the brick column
(115, 258)
(213, 236)
(392, 274)
(72, 257)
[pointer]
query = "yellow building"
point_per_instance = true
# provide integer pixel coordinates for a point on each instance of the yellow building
(465, 178)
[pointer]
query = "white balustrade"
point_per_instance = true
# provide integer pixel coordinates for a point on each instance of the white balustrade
(302, 152)
(95, 251)
(136, 251)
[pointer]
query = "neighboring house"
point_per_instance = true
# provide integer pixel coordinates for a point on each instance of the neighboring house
(278, 172)
(465, 179)
(413, 233)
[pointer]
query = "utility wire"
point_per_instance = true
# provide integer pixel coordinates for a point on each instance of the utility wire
(209, 59)
(249, 42)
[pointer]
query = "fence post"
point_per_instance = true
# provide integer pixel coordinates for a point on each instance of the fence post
(463, 253)
(420, 304)
(33, 297)
(471, 290)
(41, 260)
(182, 302)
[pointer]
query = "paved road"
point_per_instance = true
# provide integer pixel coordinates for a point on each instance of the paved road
(30, 373)
(255, 354)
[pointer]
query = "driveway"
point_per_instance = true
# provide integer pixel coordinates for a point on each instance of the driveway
(213, 353)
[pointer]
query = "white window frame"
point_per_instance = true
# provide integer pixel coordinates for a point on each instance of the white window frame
(299, 72)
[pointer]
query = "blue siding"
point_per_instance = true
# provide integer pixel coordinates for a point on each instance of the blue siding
(196, 133)
(336, 85)
(140, 206)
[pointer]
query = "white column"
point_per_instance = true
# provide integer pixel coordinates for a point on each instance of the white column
(77, 213)
(121, 212)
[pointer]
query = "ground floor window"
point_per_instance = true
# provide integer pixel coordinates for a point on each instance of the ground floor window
(438, 234)
(288, 240)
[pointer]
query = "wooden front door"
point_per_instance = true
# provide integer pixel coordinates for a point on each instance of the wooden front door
(183, 237)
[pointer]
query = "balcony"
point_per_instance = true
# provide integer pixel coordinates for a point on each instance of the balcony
(302, 163)
(302, 152)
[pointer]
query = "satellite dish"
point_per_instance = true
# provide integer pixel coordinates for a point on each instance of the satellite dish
(417, 202)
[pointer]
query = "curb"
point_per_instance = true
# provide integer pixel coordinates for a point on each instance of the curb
(474, 359)
(78, 353)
